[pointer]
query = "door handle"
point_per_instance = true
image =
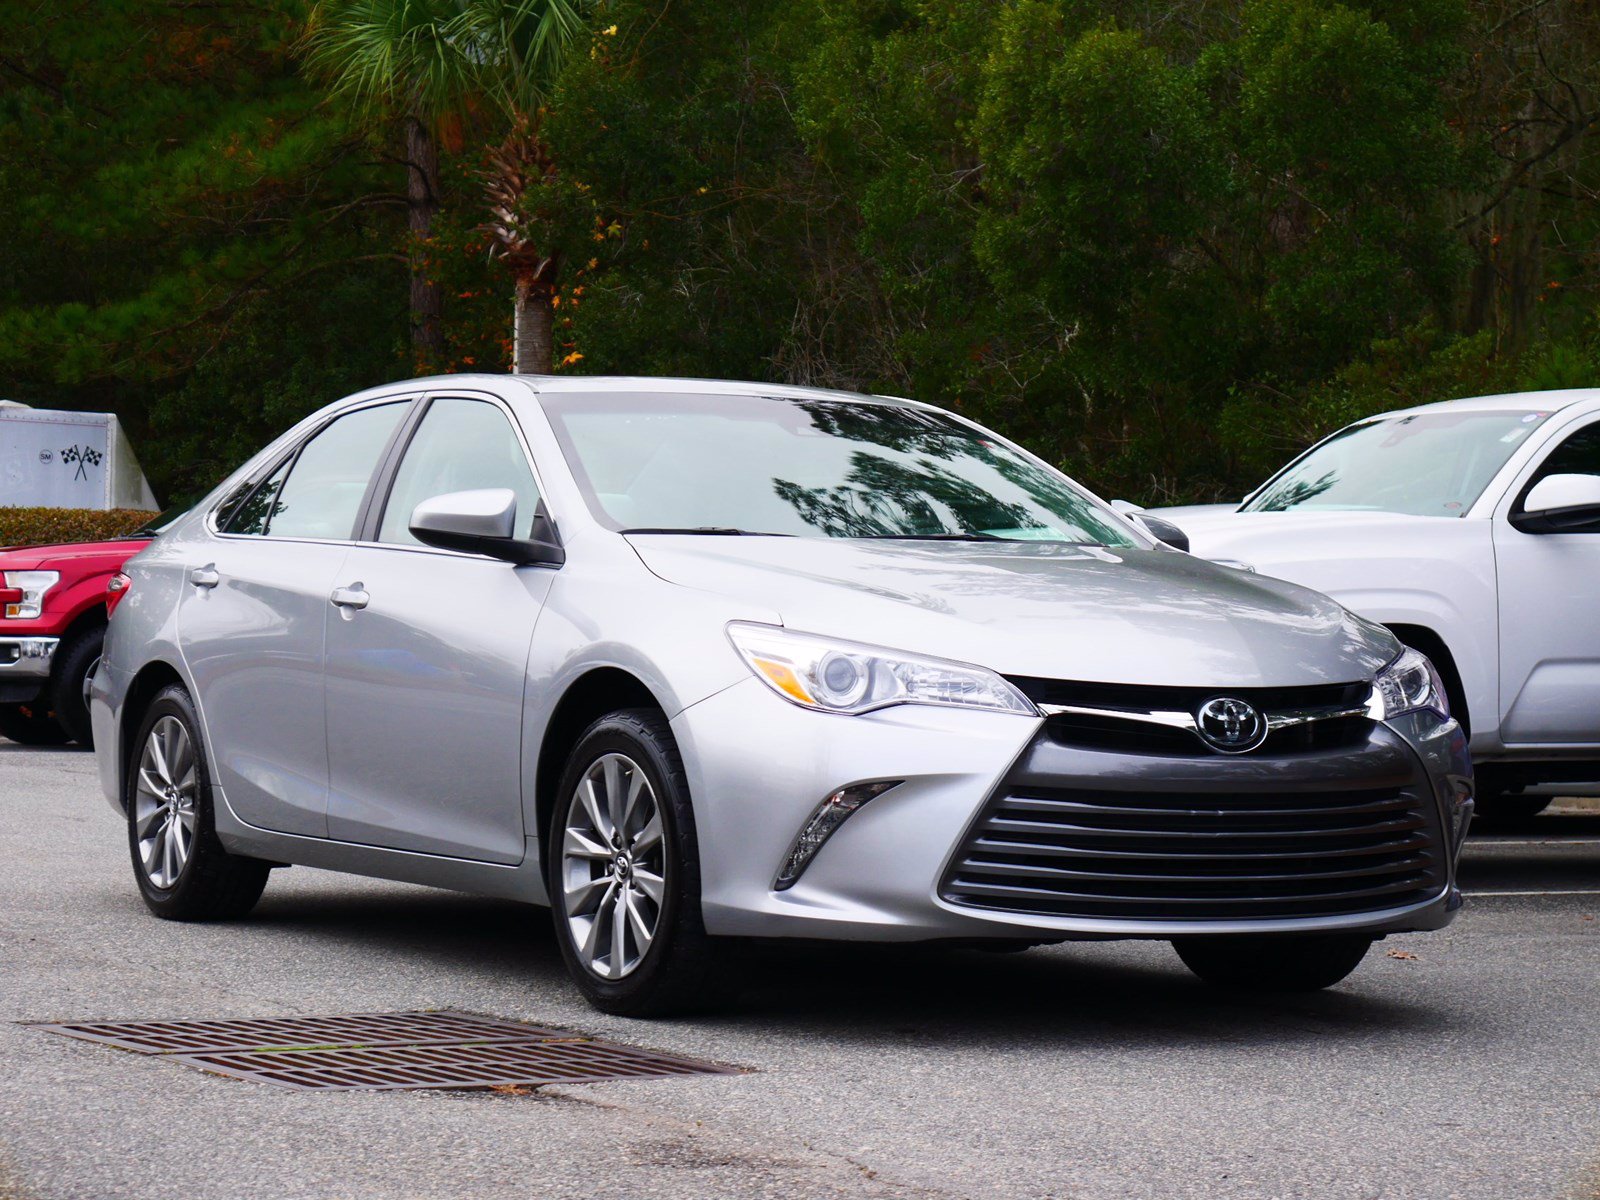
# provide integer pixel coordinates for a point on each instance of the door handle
(354, 596)
(205, 577)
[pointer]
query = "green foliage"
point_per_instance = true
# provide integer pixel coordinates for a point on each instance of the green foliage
(53, 526)
(178, 206)
(1165, 247)
(441, 60)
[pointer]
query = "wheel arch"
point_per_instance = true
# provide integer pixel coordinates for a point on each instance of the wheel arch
(1426, 640)
(589, 697)
(92, 617)
(144, 688)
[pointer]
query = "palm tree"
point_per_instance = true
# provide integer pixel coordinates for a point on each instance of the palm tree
(463, 64)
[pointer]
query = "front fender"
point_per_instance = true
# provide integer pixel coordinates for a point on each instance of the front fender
(616, 614)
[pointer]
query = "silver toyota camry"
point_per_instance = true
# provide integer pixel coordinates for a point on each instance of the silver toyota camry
(691, 661)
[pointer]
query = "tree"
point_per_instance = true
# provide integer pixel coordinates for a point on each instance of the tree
(190, 241)
(463, 65)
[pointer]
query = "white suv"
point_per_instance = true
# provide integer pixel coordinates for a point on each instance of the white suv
(1472, 529)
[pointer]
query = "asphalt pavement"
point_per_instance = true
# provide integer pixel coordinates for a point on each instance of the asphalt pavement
(1453, 1064)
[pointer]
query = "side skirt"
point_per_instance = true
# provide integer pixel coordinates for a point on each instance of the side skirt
(523, 881)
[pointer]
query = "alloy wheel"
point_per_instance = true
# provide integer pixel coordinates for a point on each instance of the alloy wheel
(165, 801)
(613, 866)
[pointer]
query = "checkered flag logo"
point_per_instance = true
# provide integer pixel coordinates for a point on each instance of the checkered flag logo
(84, 456)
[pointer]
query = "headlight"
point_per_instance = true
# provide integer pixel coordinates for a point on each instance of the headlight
(1408, 684)
(24, 592)
(845, 677)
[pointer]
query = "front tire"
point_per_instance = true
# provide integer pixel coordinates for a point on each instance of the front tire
(180, 865)
(625, 871)
(1273, 963)
(1505, 806)
(74, 661)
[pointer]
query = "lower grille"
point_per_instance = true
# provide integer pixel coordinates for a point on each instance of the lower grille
(1199, 856)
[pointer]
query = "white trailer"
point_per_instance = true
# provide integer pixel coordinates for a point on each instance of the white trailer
(54, 459)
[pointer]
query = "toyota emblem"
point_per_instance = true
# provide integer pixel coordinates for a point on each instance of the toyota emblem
(1231, 726)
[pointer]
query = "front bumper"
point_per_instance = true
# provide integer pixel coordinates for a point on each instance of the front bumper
(759, 766)
(24, 666)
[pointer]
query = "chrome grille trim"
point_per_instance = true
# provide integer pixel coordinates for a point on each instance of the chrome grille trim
(1174, 719)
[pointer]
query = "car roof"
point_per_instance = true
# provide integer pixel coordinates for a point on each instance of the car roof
(1544, 402)
(577, 385)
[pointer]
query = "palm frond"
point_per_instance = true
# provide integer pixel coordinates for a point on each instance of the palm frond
(439, 58)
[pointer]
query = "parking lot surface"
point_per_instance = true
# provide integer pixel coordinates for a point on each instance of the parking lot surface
(1456, 1064)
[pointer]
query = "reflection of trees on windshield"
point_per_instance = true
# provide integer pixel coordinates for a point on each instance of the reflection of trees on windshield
(881, 496)
(1296, 493)
(884, 497)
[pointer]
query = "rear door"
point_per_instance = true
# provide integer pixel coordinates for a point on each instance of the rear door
(1550, 610)
(253, 617)
(425, 679)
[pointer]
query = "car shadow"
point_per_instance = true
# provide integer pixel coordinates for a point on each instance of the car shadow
(455, 932)
(1552, 852)
(878, 994)
(1053, 995)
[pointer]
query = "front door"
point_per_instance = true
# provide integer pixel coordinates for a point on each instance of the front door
(426, 669)
(253, 617)
(1550, 614)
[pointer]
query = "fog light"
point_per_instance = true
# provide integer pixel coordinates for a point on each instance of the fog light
(830, 814)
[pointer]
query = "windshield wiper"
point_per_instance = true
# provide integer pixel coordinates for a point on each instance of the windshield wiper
(708, 530)
(935, 537)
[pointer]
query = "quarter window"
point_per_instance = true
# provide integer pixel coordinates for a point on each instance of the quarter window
(460, 446)
(248, 513)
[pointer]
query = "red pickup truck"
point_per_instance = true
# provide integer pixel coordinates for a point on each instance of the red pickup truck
(52, 623)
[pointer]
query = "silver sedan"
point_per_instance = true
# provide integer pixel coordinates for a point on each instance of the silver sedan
(691, 661)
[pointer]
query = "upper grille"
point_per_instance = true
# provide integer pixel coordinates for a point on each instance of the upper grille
(1178, 856)
(1107, 730)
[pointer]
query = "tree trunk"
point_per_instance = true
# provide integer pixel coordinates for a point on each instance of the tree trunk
(422, 202)
(535, 326)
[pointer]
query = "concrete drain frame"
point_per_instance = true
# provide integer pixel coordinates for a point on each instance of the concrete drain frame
(388, 1051)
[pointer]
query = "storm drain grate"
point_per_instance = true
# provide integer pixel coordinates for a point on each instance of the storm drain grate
(381, 1051)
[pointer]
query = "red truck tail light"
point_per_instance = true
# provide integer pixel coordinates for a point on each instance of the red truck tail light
(116, 588)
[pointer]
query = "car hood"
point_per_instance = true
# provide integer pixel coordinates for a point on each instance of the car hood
(1261, 538)
(81, 556)
(1117, 616)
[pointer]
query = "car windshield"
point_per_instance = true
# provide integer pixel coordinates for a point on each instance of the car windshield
(669, 463)
(1433, 464)
(156, 524)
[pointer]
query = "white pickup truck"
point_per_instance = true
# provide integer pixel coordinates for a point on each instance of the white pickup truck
(1472, 529)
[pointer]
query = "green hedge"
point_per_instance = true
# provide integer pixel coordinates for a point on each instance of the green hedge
(45, 526)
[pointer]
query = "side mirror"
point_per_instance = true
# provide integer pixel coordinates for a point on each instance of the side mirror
(1127, 507)
(1162, 530)
(482, 522)
(1561, 504)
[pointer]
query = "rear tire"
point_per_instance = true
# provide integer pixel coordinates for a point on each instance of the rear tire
(31, 724)
(180, 865)
(1273, 963)
(1508, 807)
(73, 663)
(625, 893)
